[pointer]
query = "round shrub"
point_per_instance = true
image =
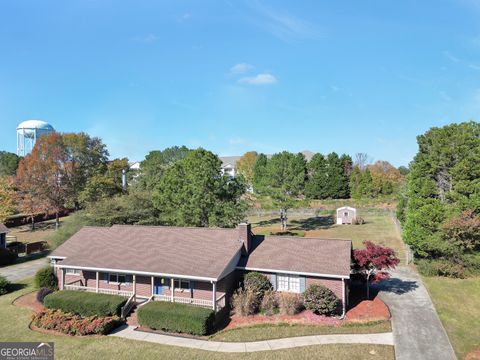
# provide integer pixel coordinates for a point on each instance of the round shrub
(44, 291)
(46, 278)
(257, 283)
(321, 300)
(7, 257)
(4, 285)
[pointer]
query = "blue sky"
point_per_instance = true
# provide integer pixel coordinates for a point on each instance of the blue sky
(232, 76)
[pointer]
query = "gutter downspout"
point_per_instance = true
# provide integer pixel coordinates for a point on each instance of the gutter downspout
(343, 300)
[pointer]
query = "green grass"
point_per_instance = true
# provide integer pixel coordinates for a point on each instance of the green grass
(379, 228)
(458, 305)
(268, 331)
(14, 327)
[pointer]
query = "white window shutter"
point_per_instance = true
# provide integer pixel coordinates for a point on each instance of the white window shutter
(273, 280)
(302, 284)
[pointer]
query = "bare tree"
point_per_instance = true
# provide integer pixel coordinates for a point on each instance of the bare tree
(361, 160)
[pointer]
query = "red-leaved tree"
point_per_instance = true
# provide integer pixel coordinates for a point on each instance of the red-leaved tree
(373, 261)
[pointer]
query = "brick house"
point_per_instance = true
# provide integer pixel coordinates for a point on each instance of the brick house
(198, 266)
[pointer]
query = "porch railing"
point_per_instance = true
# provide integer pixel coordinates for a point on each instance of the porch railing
(184, 300)
(128, 307)
(192, 301)
(124, 293)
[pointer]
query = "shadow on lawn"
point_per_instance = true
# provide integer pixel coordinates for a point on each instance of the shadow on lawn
(313, 223)
(267, 222)
(16, 287)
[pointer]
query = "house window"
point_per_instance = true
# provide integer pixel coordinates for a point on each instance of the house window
(72, 272)
(118, 278)
(288, 283)
(181, 284)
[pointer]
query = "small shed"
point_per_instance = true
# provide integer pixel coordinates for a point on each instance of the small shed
(3, 236)
(346, 215)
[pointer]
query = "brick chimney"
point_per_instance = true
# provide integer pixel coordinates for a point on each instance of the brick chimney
(245, 235)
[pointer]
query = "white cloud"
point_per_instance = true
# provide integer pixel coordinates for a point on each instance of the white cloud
(148, 39)
(451, 57)
(474, 66)
(259, 79)
(241, 68)
(237, 141)
(284, 25)
(445, 96)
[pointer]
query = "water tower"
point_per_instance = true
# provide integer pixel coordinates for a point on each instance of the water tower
(28, 132)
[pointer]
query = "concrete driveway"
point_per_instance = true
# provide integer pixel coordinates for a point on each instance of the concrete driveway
(15, 273)
(417, 330)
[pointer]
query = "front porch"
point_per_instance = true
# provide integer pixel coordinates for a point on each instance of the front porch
(141, 287)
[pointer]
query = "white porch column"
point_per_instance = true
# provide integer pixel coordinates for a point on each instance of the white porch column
(343, 298)
(97, 280)
(153, 282)
(214, 296)
(172, 289)
(134, 287)
(63, 278)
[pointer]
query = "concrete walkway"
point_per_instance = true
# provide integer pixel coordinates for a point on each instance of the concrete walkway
(128, 332)
(17, 272)
(418, 332)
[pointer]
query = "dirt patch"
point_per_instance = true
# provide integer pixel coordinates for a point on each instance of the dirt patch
(474, 355)
(368, 310)
(29, 301)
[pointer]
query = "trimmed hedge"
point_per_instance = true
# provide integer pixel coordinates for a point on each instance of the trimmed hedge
(46, 278)
(175, 317)
(85, 303)
(4, 285)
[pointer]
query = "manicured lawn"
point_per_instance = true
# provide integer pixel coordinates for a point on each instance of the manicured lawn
(379, 228)
(267, 332)
(458, 305)
(14, 327)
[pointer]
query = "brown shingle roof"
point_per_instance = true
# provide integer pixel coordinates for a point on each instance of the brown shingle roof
(297, 254)
(3, 229)
(196, 252)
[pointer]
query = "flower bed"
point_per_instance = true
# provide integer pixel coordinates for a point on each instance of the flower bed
(72, 324)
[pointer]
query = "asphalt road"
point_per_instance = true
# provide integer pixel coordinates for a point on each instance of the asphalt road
(17, 272)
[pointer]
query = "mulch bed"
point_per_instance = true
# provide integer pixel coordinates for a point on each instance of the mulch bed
(474, 355)
(363, 312)
(368, 310)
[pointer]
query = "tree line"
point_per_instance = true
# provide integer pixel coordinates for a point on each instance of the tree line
(440, 207)
(177, 185)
